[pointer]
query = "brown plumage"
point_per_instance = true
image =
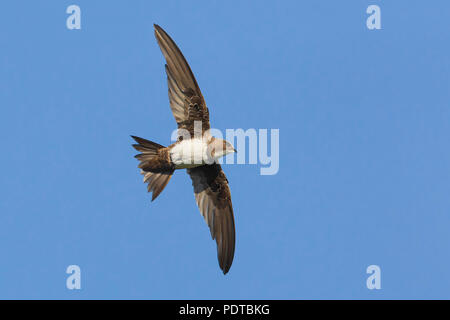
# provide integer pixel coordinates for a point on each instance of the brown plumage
(158, 163)
(155, 164)
(214, 201)
(186, 99)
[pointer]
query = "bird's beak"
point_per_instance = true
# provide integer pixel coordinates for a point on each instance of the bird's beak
(234, 150)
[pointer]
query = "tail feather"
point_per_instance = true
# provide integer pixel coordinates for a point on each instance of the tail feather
(156, 182)
(146, 147)
(157, 170)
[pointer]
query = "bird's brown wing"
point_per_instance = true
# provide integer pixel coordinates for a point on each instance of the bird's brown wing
(186, 100)
(214, 201)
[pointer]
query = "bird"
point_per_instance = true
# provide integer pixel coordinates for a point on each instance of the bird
(195, 150)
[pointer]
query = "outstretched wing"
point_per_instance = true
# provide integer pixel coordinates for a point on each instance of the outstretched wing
(186, 100)
(214, 201)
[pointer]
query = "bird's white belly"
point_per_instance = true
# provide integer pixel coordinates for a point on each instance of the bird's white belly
(189, 153)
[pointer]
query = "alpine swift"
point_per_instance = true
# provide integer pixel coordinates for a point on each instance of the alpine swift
(195, 150)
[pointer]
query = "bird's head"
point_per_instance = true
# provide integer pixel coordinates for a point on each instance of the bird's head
(220, 148)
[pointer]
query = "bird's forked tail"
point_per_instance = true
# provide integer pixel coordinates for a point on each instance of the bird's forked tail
(155, 165)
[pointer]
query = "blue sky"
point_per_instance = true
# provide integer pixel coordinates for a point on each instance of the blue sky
(364, 126)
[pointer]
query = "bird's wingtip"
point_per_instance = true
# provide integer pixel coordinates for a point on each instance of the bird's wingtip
(225, 269)
(156, 27)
